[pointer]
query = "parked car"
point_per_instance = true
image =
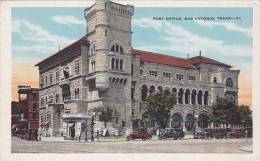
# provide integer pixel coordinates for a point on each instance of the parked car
(140, 133)
(171, 134)
(236, 133)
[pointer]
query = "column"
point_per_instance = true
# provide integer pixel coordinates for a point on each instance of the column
(190, 98)
(202, 99)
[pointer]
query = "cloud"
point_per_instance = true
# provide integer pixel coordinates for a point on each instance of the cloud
(68, 20)
(227, 25)
(181, 40)
(40, 40)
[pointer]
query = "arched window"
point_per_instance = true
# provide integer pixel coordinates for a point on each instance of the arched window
(152, 89)
(92, 50)
(116, 48)
(121, 64)
(200, 98)
(117, 63)
(144, 92)
(187, 96)
(193, 97)
(206, 95)
(93, 65)
(229, 82)
(180, 96)
(113, 63)
(160, 89)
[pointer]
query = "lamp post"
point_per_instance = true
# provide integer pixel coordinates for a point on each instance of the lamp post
(92, 126)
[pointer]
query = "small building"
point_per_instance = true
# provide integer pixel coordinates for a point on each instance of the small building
(25, 112)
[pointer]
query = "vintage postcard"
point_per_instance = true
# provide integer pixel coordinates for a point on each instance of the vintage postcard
(113, 78)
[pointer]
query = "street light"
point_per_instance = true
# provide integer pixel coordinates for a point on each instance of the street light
(92, 126)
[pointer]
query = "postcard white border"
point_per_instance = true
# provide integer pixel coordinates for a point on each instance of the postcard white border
(5, 86)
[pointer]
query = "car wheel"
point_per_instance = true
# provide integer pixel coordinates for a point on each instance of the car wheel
(128, 138)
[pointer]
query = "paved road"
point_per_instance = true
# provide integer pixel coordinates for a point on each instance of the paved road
(159, 146)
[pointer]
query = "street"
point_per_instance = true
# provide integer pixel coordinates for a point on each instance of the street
(152, 146)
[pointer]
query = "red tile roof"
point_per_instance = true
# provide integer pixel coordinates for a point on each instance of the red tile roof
(190, 63)
(202, 59)
(152, 57)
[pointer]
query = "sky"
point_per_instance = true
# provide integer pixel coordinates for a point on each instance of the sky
(39, 32)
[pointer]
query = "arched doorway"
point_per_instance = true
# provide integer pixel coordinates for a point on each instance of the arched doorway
(176, 120)
(203, 120)
(189, 122)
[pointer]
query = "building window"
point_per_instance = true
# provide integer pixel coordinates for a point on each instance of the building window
(57, 97)
(117, 49)
(42, 101)
(192, 78)
(50, 79)
(76, 92)
(141, 71)
(200, 98)
(121, 64)
(187, 96)
(76, 68)
(229, 82)
(46, 80)
(113, 63)
(48, 117)
(179, 76)
(92, 50)
(93, 65)
(50, 99)
(57, 76)
(42, 82)
(166, 74)
(117, 63)
(215, 80)
(180, 96)
(66, 93)
(153, 73)
(144, 91)
(42, 119)
(206, 95)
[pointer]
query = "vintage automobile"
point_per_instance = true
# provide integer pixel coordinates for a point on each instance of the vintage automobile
(171, 134)
(140, 133)
(236, 133)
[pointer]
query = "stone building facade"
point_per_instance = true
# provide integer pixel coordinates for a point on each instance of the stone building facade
(102, 69)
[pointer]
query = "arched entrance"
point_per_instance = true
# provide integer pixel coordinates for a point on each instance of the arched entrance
(203, 120)
(189, 122)
(176, 120)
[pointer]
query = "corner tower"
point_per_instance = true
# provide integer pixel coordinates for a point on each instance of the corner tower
(109, 57)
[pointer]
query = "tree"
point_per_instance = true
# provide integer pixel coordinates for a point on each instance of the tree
(221, 111)
(245, 115)
(106, 115)
(158, 106)
(225, 112)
